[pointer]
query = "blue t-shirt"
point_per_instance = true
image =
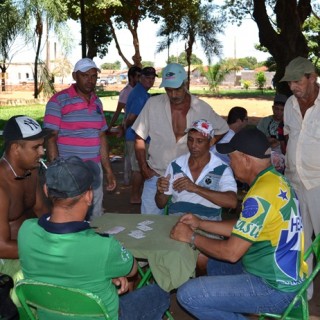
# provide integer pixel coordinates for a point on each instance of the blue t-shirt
(135, 103)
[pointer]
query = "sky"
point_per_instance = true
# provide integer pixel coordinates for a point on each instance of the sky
(237, 41)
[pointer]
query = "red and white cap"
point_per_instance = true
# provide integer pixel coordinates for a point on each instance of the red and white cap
(203, 126)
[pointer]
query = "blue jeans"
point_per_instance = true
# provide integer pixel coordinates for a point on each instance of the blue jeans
(148, 204)
(147, 303)
(228, 292)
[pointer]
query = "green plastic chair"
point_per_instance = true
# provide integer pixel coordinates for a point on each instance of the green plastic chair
(298, 309)
(166, 208)
(59, 300)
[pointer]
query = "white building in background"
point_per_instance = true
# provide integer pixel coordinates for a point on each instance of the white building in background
(20, 73)
(21, 69)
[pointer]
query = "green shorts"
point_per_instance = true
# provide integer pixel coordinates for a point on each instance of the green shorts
(9, 266)
(12, 268)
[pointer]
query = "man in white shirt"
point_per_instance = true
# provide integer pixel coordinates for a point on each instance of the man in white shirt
(164, 119)
(199, 182)
(302, 128)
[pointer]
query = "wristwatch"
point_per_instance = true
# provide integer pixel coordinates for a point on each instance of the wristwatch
(191, 243)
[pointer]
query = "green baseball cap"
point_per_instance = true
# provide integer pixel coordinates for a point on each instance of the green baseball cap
(297, 68)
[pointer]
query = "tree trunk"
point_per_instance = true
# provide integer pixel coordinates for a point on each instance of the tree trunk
(289, 42)
(188, 50)
(3, 77)
(136, 58)
(39, 32)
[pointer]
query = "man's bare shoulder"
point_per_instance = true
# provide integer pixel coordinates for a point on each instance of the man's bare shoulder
(17, 197)
(4, 182)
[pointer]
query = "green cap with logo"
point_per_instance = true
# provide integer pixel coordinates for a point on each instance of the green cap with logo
(297, 68)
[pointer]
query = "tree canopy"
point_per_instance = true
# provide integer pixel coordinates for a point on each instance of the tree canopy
(111, 65)
(191, 23)
(280, 24)
(10, 28)
(182, 59)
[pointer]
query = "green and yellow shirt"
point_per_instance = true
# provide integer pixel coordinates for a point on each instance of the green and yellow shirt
(271, 220)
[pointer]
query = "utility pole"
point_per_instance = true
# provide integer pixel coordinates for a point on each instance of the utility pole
(47, 46)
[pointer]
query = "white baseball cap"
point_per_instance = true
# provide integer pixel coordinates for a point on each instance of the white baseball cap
(84, 65)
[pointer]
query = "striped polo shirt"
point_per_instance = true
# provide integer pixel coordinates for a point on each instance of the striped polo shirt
(78, 122)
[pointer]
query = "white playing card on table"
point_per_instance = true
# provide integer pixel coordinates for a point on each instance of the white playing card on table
(138, 234)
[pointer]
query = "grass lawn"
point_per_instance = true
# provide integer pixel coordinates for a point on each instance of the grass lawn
(110, 99)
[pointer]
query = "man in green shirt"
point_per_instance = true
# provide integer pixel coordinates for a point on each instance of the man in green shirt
(64, 250)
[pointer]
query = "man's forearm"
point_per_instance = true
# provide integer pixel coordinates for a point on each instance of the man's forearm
(226, 199)
(222, 228)
(161, 199)
(52, 147)
(129, 121)
(140, 149)
(104, 150)
(115, 117)
(9, 250)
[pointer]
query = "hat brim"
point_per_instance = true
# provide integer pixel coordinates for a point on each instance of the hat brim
(289, 78)
(171, 84)
(43, 134)
(85, 69)
(209, 136)
(149, 74)
(224, 148)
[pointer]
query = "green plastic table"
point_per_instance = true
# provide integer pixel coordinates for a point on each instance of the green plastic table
(172, 262)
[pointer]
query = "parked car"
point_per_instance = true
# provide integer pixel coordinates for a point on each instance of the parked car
(108, 80)
(26, 81)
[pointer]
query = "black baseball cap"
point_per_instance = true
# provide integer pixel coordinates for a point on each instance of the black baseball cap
(280, 99)
(23, 128)
(149, 71)
(252, 142)
(71, 177)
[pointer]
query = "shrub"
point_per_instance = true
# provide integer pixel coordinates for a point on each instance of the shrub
(246, 84)
(260, 80)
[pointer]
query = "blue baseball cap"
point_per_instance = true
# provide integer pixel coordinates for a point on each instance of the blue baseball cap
(173, 76)
(71, 177)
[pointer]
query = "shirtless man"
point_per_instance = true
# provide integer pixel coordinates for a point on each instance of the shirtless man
(165, 118)
(21, 195)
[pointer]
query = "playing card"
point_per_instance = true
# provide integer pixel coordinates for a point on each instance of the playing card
(138, 234)
(144, 227)
(178, 175)
(145, 222)
(115, 230)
